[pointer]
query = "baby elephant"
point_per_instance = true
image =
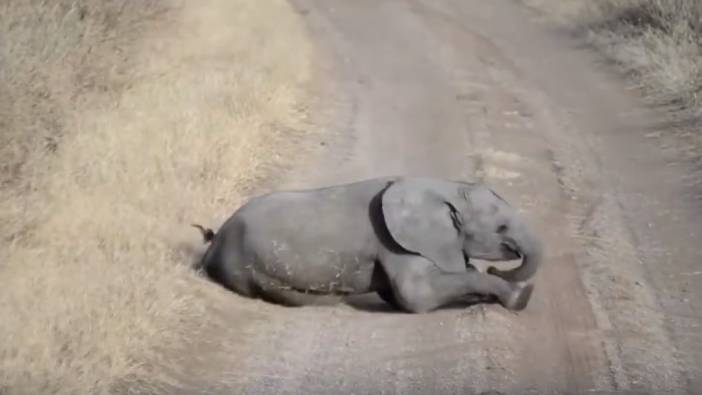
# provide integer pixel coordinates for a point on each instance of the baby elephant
(408, 239)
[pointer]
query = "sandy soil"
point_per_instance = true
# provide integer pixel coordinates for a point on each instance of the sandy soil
(488, 90)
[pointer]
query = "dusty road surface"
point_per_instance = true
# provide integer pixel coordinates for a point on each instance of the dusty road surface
(486, 90)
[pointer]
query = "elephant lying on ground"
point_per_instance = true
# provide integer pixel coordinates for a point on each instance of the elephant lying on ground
(409, 239)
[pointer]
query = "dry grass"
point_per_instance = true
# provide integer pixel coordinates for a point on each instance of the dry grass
(120, 123)
(658, 42)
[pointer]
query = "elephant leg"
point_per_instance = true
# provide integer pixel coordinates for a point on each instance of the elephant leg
(420, 286)
(274, 291)
(292, 298)
(389, 297)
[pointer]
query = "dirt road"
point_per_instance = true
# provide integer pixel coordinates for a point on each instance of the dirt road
(486, 90)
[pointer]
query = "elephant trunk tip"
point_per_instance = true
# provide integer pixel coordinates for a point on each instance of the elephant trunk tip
(207, 233)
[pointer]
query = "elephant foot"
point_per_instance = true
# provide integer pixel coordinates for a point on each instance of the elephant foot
(519, 298)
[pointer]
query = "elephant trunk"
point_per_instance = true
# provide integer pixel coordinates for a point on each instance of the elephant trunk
(531, 250)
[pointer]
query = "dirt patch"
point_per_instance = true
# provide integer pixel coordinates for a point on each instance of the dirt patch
(120, 125)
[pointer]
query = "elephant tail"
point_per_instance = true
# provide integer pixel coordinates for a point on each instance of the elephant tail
(207, 233)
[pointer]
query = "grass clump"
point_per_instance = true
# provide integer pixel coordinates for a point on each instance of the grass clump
(120, 124)
(659, 42)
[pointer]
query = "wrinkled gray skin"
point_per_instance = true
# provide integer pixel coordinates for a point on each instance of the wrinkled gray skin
(407, 239)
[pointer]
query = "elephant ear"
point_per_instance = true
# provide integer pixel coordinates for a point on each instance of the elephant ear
(421, 220)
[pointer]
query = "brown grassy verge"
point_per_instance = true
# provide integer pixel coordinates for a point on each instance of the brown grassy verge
(657, 42)
(121, 123)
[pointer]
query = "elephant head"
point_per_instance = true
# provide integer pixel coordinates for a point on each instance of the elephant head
(448, 221)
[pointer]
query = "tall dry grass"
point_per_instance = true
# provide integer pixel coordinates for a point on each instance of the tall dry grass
(657, 42)
(120, 124)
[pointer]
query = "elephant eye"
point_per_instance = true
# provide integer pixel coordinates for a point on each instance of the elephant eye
(502, 229)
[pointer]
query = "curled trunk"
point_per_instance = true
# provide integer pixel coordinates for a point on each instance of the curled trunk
(532, 255)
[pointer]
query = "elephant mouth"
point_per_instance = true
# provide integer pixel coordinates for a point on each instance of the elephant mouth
(511, 250)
